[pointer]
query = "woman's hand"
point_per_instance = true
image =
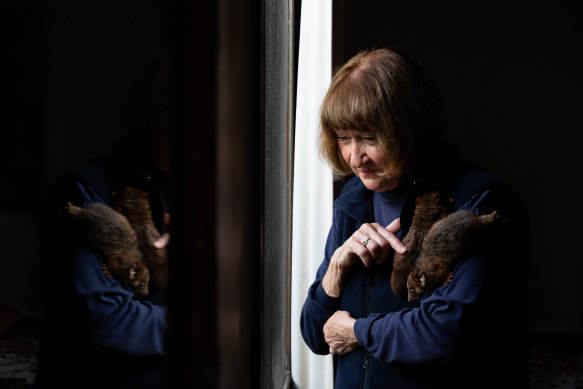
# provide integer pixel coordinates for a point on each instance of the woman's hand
(164, 239)
(339, 333)
(371, 243)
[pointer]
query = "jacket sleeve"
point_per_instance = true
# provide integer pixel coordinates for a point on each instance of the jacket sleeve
(318, 306)
(434, 330)
(429, 332)
(116, 321)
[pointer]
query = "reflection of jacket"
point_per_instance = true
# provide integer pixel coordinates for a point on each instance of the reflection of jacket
(468, 334)
(96, 333)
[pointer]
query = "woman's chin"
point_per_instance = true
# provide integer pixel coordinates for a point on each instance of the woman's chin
(379, 184)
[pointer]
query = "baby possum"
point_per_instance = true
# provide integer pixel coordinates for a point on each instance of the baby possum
(445, 244)
(134, 204)
(112, 236)
(429, 208)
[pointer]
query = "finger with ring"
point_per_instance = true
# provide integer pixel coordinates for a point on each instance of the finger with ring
(365, 242)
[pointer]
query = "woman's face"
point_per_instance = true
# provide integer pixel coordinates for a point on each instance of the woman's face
(363, 153)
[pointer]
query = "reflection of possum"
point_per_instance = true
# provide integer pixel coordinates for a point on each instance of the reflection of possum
(134, 204)
(112, 235)
(444, 245)
(429, 208)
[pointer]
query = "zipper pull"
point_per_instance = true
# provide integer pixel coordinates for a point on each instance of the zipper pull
(365, 363)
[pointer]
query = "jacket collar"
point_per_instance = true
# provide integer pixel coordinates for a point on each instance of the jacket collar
(356, 201)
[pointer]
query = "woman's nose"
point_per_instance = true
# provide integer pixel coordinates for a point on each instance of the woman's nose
(358, 153)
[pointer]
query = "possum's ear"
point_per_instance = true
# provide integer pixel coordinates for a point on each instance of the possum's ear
(422, 279)
(418, 200)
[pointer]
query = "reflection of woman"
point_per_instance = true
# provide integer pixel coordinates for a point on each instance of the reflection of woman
(97, 334)
(380, 120)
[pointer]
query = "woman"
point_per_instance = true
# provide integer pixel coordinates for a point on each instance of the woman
(380, 120)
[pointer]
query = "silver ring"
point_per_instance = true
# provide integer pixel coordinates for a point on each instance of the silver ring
(365, 242)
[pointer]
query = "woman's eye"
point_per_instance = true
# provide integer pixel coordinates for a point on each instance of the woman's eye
(369, 139)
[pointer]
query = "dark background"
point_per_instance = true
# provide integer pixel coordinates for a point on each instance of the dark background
(510, 77)
(66, 69)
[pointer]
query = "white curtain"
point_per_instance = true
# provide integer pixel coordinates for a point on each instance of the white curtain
(312, 194)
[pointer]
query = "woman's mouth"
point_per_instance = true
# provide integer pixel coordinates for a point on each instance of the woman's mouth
(366, 172)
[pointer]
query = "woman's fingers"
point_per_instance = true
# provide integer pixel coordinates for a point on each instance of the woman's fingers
(165, 238)
(396, 244)
(361, 244)
(372, 243)
(378, 244)
(162, 241)
(395, 226)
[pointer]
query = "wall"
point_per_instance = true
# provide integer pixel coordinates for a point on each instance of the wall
(511, 82)
(92, 51)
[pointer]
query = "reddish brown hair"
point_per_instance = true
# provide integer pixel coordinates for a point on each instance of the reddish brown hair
(382, 91)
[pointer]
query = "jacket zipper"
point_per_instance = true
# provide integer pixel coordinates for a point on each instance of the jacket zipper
(367, 312)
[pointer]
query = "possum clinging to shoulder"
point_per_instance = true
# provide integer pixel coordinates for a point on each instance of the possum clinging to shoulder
(112, 236)
(429, 208)
(443, 247)
(134, 204)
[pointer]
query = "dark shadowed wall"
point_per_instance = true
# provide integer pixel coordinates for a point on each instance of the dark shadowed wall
(510, 77)
(90, 54)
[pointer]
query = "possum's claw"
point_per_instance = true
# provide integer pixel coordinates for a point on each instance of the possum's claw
(448, 279)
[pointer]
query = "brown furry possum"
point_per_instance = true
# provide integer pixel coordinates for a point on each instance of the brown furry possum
(429, 208)
(134, 204)
(445, 244)
(112, 236)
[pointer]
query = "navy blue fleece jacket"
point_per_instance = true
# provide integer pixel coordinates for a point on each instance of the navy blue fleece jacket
(469, 333)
